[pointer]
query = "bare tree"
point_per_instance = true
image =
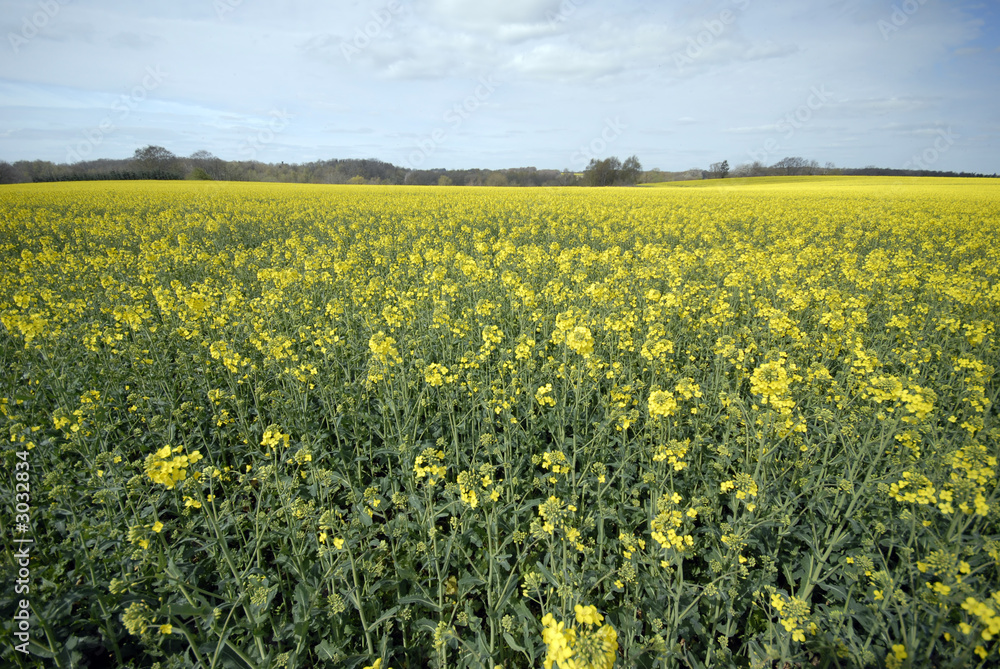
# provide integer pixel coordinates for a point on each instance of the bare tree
(11, 174)
(719, 170)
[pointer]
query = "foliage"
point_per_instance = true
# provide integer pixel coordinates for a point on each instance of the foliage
(711, 426)
(612, 172)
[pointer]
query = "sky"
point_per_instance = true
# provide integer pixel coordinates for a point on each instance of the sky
(506, 83)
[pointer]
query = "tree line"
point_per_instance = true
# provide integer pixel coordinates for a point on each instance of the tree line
(156, 162)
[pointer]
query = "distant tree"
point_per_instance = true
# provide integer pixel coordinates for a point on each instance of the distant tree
(630, 171)
(198, 174)
(741, 170)
(796, 166)
(155, 162)
(216, 168)
(11, 174)
(563, 178)
(602, 172)
(719, 170)
(445, 180)
(497, 179)
(39, 170)
(612, 172)
(356, 180)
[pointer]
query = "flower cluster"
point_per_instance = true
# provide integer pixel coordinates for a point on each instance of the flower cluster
(435, 374)
(429, 465)
(166, 470)
(273, 437)
(745, 488)
(544, 395)
(673, 453)
(794, 614)
(555, 515)
(662, 403)
(666, 527)
(587, 645)
(581, 340)
(771, 381)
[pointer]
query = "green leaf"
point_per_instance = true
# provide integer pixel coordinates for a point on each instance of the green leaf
(546, 573)
(466, 582)
(183, 610)
(231, 658)
(513, 644)
(385, 616)
(303, 602)
(326, 651)
(421, 600)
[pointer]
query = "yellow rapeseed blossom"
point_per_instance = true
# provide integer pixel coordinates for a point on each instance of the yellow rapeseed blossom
(662, 403)
(167, 467)
(580, 340)
(588, 645)
(544, 395)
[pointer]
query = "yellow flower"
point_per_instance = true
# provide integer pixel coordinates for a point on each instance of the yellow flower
(157, 526)
(588, 615)
(544, 395)
(274, 436)
(163, 469)
(435, 374)
(166, 629)
(581, 340)
(662, 403)
(338, 543)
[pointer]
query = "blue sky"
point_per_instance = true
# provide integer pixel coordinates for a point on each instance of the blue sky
(506, 83)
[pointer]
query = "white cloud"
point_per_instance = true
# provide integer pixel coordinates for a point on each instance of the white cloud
(484, 13)
(553, 61)
(753, 129)
(882, 106)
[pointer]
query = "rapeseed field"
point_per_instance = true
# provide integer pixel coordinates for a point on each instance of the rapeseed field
(730, 423)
